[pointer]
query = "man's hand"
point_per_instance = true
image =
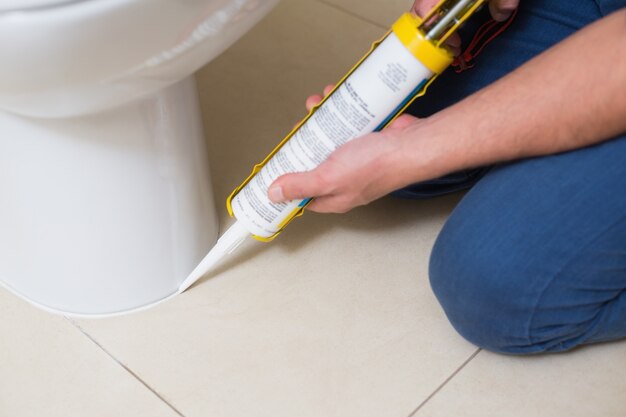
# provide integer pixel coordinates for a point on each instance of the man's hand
(421, 8)
(535, 110)
(500, 9)
(359, 172)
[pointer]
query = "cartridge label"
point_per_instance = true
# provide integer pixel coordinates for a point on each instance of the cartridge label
(372, 93)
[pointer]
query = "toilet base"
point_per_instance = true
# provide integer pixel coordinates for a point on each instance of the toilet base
(108, 213)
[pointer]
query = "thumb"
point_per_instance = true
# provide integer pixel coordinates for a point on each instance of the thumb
(296, 186)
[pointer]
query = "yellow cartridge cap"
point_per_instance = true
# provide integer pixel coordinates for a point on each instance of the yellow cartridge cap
(435, 58)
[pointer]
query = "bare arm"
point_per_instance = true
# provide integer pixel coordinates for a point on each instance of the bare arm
(571, 96)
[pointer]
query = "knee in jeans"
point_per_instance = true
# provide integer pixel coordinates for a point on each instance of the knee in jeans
(490, 303)
(480, 296)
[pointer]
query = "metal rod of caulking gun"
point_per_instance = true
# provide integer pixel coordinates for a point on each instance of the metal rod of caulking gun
(439, 29)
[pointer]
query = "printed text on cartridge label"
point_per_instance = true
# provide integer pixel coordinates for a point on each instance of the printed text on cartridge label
(373, 92)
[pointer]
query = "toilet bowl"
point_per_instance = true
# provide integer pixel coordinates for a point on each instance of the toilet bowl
(106, 201)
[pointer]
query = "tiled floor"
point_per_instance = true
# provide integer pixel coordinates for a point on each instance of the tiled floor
(336, 318)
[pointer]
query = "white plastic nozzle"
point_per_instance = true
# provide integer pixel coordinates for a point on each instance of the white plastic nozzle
(234, 236)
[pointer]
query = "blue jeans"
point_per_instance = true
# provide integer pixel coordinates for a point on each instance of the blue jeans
(533, 259)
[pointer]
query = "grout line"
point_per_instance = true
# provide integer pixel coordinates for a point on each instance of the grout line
(126, 368)
(444, 383)
(351, 13)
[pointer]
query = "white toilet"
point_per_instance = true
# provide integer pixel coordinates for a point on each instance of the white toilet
(105, 192)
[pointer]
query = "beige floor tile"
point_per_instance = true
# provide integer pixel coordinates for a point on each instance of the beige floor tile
(48, 368)
(583, 383)
(380, 12)
(336, 317)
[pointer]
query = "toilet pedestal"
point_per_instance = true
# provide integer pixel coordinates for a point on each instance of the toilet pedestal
(108, 213)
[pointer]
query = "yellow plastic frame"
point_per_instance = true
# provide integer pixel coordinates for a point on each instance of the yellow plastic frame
(297, 213)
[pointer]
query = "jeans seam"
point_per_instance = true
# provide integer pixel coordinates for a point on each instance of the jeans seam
(561, 270)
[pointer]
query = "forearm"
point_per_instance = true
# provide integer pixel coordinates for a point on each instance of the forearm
(571, 96)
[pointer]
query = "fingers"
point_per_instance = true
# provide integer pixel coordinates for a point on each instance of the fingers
(298, 186)
(313, 101)
(501, 9)
(316, 99)
(454, 43)
(304, 185)
(329, 204)
(402, 121)
(422, 7)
